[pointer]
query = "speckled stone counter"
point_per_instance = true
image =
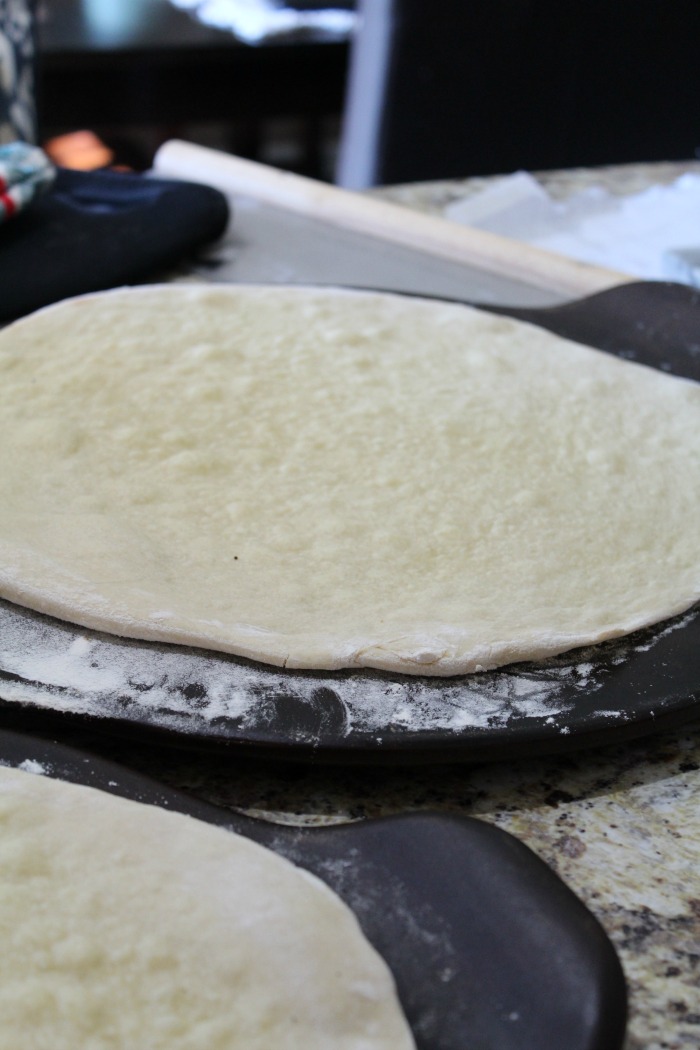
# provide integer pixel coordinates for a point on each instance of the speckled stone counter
(618, 179)
(620, 824)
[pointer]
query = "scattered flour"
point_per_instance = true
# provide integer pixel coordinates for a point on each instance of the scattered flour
(30, 765)
(51, 664)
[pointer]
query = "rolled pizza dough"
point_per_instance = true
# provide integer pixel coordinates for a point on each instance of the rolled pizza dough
(325, 479)
(122, 925)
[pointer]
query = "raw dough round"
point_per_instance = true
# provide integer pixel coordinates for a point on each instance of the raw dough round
(122, 925)
(323, 479)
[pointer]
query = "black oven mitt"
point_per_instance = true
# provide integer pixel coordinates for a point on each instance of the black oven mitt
(96, 230)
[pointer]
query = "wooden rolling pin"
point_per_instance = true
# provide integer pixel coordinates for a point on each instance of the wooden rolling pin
(486, 251)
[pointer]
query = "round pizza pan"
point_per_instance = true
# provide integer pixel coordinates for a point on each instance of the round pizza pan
(626, 687)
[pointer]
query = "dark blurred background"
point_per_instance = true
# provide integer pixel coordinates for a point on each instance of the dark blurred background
(418, 90)
(136, 72)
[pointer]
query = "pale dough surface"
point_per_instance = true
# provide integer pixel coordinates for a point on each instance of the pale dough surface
(123, 926)
(326, 479)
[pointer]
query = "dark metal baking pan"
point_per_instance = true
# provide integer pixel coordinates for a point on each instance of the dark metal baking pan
(622, 688)
(487, 945)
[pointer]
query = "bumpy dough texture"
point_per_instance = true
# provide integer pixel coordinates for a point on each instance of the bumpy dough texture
(123, 926)
(326, 479)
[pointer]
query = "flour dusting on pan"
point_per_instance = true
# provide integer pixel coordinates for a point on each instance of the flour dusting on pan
(53, 665)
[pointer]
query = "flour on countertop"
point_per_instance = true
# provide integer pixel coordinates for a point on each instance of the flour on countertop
(54, 665)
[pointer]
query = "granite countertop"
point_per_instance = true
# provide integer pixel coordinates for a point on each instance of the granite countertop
(619, 823)
(618, 179)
